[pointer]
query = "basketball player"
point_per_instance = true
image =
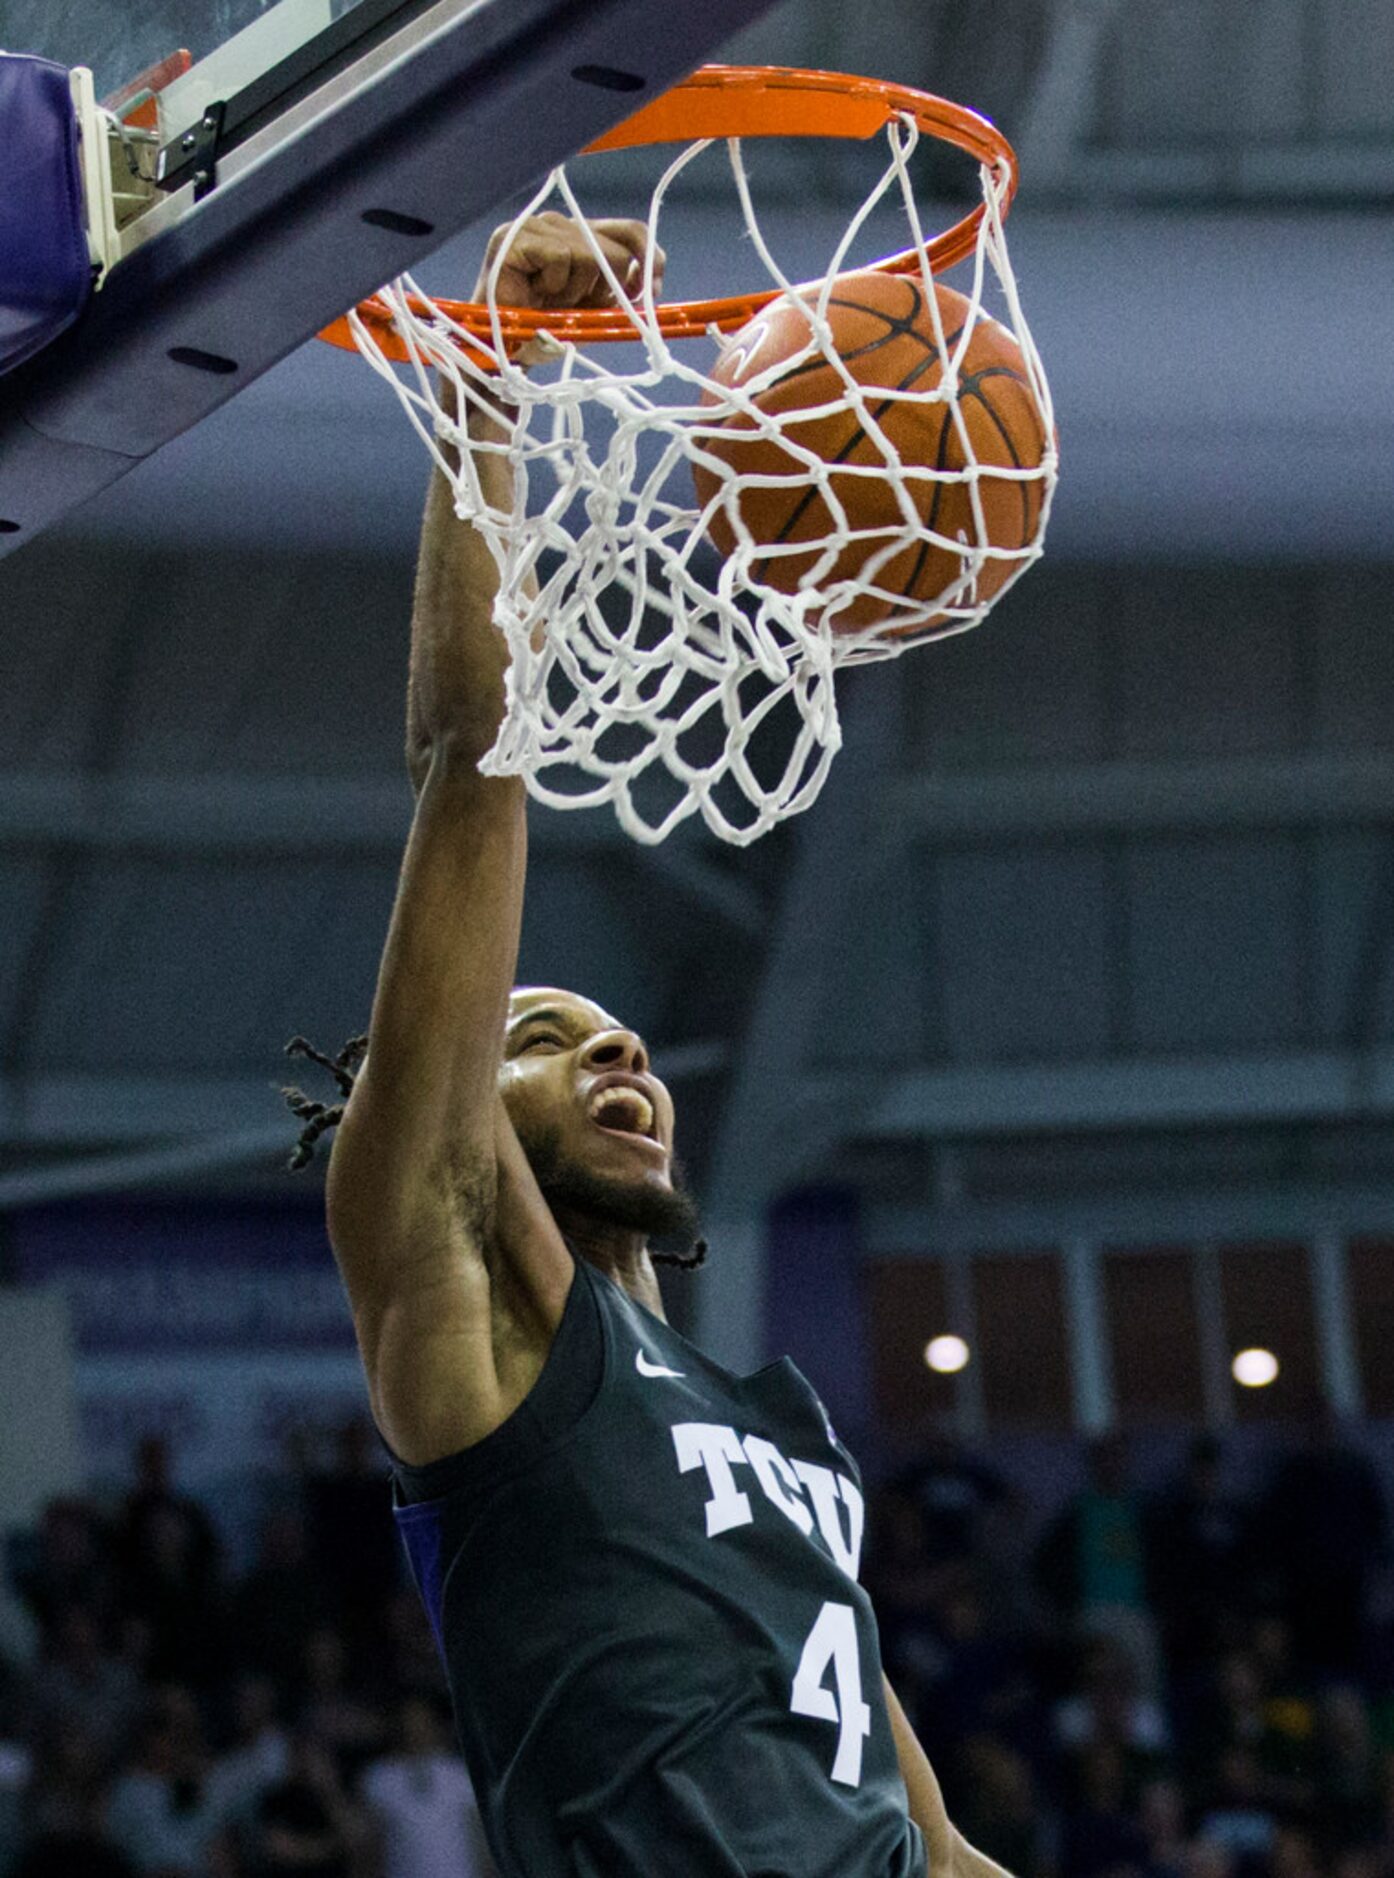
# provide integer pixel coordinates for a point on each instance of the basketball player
(640, 1568)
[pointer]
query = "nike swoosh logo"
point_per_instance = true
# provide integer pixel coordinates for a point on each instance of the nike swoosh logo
(646, 1368)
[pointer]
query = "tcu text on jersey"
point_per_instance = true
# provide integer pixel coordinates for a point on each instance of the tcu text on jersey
(803, 1491)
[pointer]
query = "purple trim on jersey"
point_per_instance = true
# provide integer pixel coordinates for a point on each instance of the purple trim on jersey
(45, 269)
(422, 1534)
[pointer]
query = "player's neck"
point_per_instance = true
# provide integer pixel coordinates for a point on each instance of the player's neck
(621, 1254)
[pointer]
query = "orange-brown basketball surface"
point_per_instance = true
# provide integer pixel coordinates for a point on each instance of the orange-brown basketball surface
(883, 331)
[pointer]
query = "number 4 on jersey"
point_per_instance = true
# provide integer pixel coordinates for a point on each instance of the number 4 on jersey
(833, 1639)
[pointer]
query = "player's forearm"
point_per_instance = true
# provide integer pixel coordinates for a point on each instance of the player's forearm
(455, 691)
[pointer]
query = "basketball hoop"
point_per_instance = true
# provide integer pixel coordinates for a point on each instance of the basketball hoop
(644, 673)
(725, 101)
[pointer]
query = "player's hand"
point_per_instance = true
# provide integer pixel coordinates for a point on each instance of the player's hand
(550, 263)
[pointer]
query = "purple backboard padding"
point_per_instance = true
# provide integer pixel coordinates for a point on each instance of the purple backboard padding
(45, 269)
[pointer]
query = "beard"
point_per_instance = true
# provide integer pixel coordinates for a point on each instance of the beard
(656, 1212)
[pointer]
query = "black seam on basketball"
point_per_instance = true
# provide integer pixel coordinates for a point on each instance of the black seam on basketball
(858, 435)
(974, 379)
(898, 325)
(973, 390)
(912, 579)
(896, 328)
(945, 431)
(820, 363)
(931, 519)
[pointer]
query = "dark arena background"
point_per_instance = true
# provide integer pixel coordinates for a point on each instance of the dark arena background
(1037, 1085)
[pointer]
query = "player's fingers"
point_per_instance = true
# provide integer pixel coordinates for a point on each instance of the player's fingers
(624, 232)
(551, 261)
(623, 265)
(513, 287)
(632, 239)
(627, 267)
(536, 270)
(556, 275)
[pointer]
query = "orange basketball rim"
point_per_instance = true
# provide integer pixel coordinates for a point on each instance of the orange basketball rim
(715, 103)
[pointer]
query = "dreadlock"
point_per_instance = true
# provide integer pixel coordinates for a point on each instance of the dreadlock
(320, 1117)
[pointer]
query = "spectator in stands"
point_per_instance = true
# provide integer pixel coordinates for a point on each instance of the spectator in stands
(161, 1814)
(1101, 1835)
(1322, 1526)
(1239, 1820)
(1092, 1562)
(67, 1834)
(1289, 1715)
(422, 1803)
(1109, 1709)
(278, 1603)
(67, 1788)
(70, 1564)
(1348, 1809)
(1161, 1814)
(65, 1813)
(169, 1559)
(354, 1549)
(1056, 1756)
(337, 1710)
(255, 1759)
(82, 1684)
(306, 1826)
(1233, 1713)
(903, 1585)
(998, 1807)
(1197, 1537)
(952, 1494)
(968, 1675)
(16, 1767)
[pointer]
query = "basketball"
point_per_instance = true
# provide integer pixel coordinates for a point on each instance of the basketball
(883, 331)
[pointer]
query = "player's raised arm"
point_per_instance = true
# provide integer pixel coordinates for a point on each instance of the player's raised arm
(414, 1178)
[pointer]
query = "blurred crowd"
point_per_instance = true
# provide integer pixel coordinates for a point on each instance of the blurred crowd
(183, 1720)
(1186, 1683)
(1191, 1682)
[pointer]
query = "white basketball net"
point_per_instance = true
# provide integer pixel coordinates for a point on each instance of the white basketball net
(646, 671)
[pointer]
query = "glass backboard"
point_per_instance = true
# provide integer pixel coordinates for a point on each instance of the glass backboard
(121, 38)
(270, 37)
(305, 152)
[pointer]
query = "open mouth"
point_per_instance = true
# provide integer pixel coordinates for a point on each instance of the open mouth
(620, 1110)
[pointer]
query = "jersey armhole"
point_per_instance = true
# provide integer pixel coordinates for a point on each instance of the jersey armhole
(568, 1384)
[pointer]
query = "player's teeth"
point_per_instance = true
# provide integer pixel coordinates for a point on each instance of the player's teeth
(638, 1105)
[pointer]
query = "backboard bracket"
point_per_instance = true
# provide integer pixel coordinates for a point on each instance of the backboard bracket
(195, 154)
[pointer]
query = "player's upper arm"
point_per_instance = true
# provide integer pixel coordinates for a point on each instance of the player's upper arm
(413, 1176)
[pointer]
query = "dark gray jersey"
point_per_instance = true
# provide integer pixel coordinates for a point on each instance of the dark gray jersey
(644, 1590)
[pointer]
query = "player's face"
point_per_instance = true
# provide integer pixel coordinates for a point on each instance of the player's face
(580, 1093)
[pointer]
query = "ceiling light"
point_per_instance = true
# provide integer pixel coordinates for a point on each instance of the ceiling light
(946, 1355)
(1255, 1369)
